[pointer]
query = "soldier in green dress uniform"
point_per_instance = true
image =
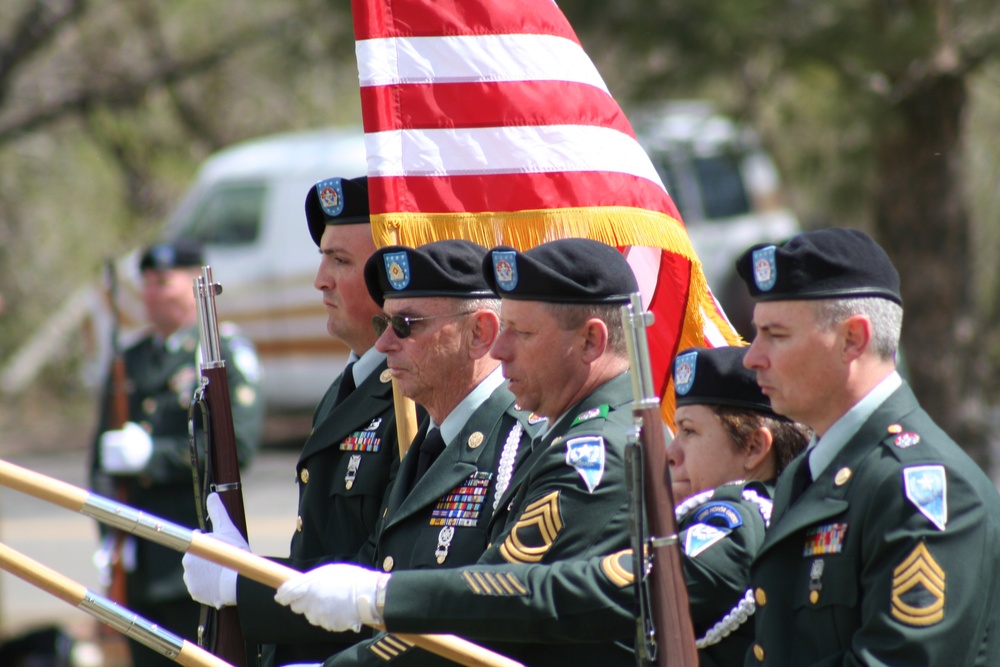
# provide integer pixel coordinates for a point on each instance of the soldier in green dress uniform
(351, 454)
(147, 463)
(884, 544)
(729, 448)
(562, 349)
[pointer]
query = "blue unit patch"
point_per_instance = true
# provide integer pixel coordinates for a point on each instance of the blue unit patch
(700, 536)
(765, 270)
(505, 269)
(397, 269)
(684, 370)
(927, 488)
(586, 454)
(720, 514)
(331, 196)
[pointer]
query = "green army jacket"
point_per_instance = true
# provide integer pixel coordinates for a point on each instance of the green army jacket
(593, 600)
(343, 476)
(889, 558)
(566, 499)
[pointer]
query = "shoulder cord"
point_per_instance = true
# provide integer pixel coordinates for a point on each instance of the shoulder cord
(745, 608)
(507, 458)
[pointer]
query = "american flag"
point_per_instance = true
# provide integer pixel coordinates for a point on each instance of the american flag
(486, 120)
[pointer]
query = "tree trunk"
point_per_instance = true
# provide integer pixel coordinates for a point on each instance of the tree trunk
(920, 206)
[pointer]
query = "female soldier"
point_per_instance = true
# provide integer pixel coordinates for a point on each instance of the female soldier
(728, 451)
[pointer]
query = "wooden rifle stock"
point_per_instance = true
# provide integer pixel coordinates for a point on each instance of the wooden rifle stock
(221, 634)
(117, 416)
(665, 634)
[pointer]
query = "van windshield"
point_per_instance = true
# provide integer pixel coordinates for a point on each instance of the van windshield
(227, 215)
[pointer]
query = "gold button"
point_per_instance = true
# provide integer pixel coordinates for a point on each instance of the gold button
(388, 563)
(843, 475)
(760, 596)
(814, 596)
(386, 376)
(475, 440)
(304, 475)
(895, 428)
(758, 652)
(298, 524)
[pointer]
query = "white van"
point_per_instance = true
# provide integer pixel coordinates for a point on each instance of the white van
(246, 206)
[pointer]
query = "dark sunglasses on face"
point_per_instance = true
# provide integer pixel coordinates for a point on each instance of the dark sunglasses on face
(401, 323)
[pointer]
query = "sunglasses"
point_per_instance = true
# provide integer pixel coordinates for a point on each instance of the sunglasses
(401, 324)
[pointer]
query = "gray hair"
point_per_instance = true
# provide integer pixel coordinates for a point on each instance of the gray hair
(574, 315)
(886, 318)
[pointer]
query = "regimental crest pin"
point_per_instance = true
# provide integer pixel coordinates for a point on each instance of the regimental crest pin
(586, 454)
(765, 270)
(684, 370)
(331, 196)
(397, 269)
(505, 269)
(927, 488)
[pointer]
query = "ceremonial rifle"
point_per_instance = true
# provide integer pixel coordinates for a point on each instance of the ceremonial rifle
(117, 416)
(664, 632)
(219, 630)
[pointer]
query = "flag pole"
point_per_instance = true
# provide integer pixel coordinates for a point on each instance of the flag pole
(179, 538)
(107, 611)
(405, 408)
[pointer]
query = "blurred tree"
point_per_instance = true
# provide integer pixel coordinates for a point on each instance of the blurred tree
(887, 82)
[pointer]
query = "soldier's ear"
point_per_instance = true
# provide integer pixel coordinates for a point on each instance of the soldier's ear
(484, 328)
(758, 454)
(595, 339)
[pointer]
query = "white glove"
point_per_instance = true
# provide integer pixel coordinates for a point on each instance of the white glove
(125, 451)
(207, 582)
(336, 597)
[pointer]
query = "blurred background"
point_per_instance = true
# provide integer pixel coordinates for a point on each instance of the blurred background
(878, 114)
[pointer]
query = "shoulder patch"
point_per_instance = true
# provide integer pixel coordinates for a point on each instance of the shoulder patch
(720, 514)
(918, 587)
(927, 488)
(701, 536)
(600, 412)
(586, 454)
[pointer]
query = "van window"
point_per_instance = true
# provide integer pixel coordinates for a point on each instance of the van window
(228, 215)
(706, 187)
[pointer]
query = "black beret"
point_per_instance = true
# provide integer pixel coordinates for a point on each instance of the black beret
(175, 254)
(336, 201)
(568, 270)
(822, 264)
(716, 376)
(442, 268)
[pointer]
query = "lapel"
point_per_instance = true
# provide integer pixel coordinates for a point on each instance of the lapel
(337, 422)
(610, 393)
(825, 498)
(456, 462)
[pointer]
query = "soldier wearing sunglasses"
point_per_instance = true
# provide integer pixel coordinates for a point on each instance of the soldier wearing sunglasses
(439, 322)
(562, 350)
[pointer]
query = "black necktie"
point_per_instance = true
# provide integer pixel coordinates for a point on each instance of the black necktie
(346, 384)
(801, 480)
(430, 448)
